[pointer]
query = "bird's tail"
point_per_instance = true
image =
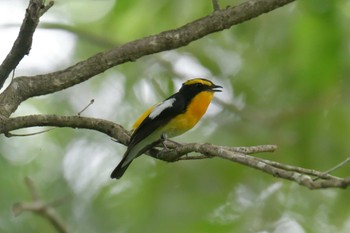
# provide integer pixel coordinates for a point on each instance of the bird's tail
(130, 154)
(120, 169)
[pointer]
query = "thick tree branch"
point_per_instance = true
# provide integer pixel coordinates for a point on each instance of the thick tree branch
(107, 127)
(306, 177)
(25, 87)
(23, 43)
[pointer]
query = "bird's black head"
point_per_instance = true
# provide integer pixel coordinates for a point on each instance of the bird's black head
(198, 85)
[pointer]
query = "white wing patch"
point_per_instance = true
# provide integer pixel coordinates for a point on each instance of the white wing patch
(161, 107)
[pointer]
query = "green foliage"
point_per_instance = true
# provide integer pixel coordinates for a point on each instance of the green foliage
(285, 78)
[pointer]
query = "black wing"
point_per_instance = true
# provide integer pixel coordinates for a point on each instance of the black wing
(149, 125)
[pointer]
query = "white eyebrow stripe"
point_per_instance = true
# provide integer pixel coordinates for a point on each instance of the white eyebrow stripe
(161, 107)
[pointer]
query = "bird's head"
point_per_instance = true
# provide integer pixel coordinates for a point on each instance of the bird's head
(199, 84)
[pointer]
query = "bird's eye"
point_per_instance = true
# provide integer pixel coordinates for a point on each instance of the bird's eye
(199, 84)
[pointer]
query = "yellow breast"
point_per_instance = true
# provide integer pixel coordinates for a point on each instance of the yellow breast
(186, 121)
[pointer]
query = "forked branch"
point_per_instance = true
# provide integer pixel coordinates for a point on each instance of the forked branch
(42, 208)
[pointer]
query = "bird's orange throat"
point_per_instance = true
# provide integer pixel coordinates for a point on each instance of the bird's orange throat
(187, 120)
(199, 105)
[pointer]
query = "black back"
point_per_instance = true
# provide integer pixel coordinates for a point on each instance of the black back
(182, 99)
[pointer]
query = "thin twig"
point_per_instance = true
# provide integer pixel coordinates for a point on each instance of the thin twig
(91, 102)
(13, 74)
(45, 8)
(326, 173)
(33, 192)
(252, 149)
(304, 171)
(242, 149)
(216, 5)
(8, 134)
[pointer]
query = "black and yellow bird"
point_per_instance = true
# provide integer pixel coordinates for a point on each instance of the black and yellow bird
(172, 117)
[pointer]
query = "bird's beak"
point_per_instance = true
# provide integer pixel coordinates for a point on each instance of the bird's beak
(215, 88)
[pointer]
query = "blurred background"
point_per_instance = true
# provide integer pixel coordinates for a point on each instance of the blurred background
(286, 82)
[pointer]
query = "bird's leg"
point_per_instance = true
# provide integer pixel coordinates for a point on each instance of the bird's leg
(163, 138)
(176, 143)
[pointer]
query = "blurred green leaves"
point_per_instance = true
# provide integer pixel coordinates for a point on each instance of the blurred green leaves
(285, 78)
(319, 42)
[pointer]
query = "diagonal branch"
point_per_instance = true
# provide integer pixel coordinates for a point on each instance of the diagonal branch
(24, 87)
(23, 43)
(299, 175)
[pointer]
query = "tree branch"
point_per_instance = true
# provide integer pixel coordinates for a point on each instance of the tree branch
(23, 43)
(312, 179)
(23, 88)
(107, 127)
(41, 208)
(216, 5)
(299, 175)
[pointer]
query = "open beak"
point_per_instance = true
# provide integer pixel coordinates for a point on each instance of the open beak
(214, 88)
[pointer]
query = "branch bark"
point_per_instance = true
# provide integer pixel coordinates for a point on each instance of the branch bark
(309, 178)
(23, 88)
(23, 43)
(107, 127)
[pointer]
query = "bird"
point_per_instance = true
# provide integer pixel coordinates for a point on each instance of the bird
(170, 118)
